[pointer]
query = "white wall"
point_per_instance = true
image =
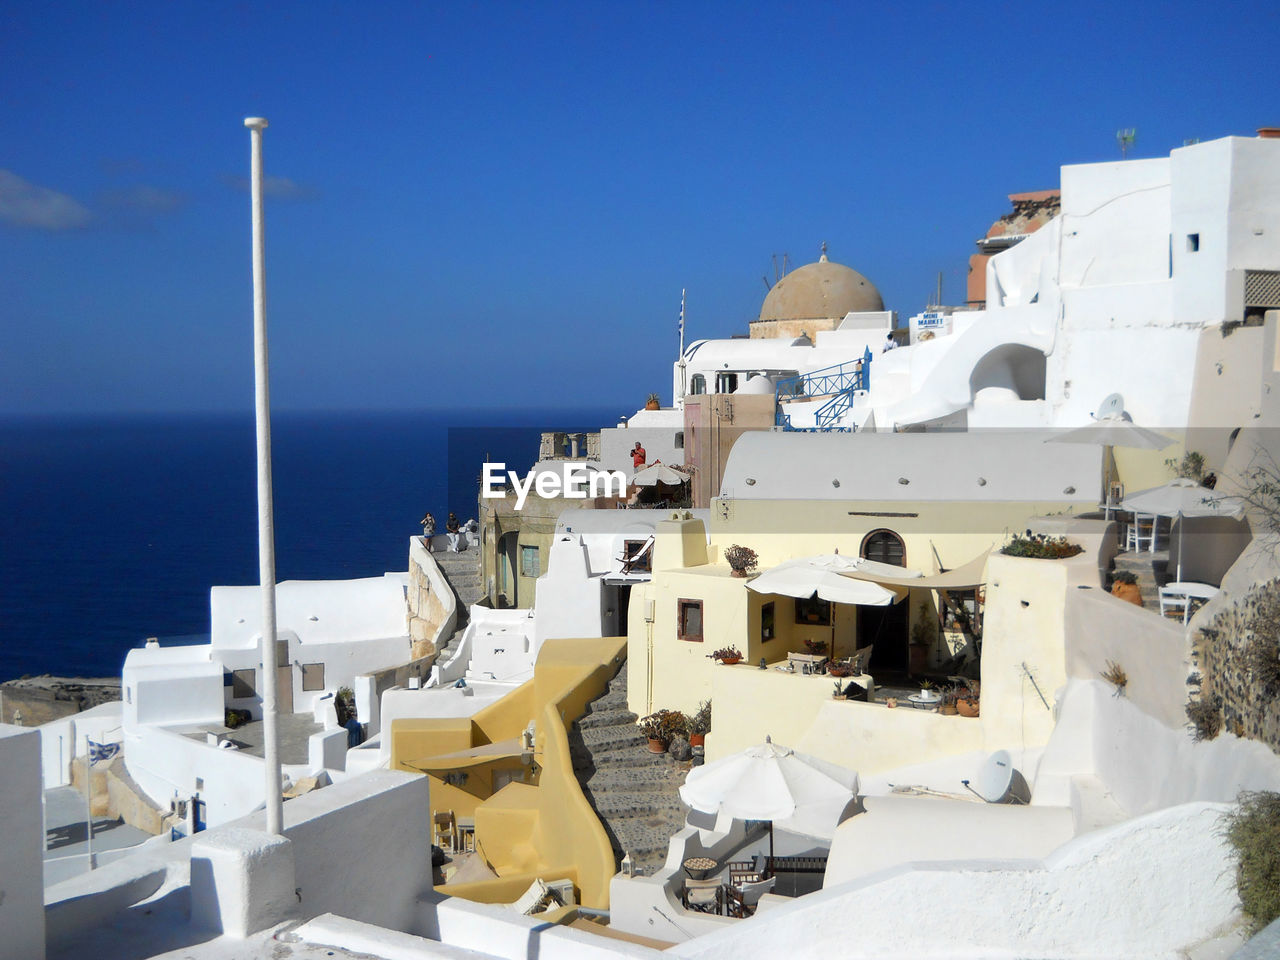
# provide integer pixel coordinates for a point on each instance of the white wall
(1148, 888)
(163, 762)
(102, 724)
(654, 429)
(21, 845)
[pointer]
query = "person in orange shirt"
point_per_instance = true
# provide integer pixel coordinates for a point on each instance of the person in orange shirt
(637, 456)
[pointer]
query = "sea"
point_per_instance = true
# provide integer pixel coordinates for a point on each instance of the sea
(113, 529)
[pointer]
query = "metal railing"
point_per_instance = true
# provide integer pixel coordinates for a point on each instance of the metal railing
(840, 382)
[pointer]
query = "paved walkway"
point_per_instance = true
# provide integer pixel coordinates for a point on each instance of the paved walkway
(66, 836)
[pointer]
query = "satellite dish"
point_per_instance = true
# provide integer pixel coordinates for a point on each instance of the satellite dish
(996, 776)
(1112, 408)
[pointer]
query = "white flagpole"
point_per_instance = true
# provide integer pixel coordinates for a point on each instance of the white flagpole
(266, 519)
(683, 385)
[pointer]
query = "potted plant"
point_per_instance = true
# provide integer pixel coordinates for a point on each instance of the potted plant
(661, 727)
(653, 403)
(699, 724)
(726, 655)
(967, 700)
(926, 690)
(839, 693)
(948, 705)
(740, 559)
(1124, 585)
(838, 668)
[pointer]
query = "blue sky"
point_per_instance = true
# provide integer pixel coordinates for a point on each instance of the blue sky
(499, 203)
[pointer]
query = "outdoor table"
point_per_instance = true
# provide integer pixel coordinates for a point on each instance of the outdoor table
(699, 868)
(1182, 593)
(920, 702)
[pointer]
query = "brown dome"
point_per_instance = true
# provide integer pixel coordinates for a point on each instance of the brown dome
(820, 290)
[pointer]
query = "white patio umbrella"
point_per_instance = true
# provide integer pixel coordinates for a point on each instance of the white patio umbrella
(770, 782)
(657, 473)
(821, 576)
(806, 576)
(1182, 497)
(1115, 431)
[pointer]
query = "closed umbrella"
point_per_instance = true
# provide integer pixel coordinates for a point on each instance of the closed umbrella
(770, 782)
(1113, 429)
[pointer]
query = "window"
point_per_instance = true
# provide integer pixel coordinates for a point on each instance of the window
(1193, 242)
(884, 546)
(726, 382)
(313, 676)
(631, 549)
(768, 628)
(810, 610)
(242, 684)
(282, 653)
(679, 439)
(689, 619)
(697, 384)
(529, 561)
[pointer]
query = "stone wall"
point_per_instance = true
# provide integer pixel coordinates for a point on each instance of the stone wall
(37, 700)
(433, 609)
(1228, 651)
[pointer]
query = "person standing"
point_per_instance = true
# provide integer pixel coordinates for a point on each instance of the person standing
(428, 529)
(452, 528)
(638, 456)
(889, 343)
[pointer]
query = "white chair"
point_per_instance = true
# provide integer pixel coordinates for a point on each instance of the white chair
(1142, 532)
(745, 896)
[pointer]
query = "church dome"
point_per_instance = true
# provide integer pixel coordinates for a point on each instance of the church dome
(820, 290)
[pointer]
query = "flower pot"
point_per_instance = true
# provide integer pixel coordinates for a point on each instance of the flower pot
(697, 739)
(948, 710)
(1127, 591)
(730, 661)
(735, 572)
(657, 746)
(652, 405)
(967, 708)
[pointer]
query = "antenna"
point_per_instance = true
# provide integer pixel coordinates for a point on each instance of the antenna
(1125, 138)
(786, 264)
(775, 267)
(938, 302)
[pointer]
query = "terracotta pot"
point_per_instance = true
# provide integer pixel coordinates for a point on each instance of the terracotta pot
(697, 739)
(657, 746)
(948, 710)
(967, 708)
(737, 573)
(652, 405)
(730, 661)
(1127, 591)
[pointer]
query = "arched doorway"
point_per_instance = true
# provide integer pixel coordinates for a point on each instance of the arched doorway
(885, 627)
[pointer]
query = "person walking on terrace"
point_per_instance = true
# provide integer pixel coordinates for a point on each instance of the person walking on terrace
(453, 528)
(428, 529)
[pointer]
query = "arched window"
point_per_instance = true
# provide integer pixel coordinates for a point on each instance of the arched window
(884, 546)
(697, 384)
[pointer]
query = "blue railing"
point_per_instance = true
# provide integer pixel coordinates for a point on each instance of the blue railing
(839, 382)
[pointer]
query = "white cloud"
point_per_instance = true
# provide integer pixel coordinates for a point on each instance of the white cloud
(25, 204)
(282, 188)
(142, 199)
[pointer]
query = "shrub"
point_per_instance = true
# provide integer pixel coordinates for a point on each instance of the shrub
(1253, 830)
(1206, 717)
(1124, 576)
(700, 722)
(1190, 467)
(1038, 546)
(741, 558)
(1114, 674)
(664, 725)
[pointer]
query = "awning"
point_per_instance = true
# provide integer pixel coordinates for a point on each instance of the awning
(961, 578)
(486, 753)
(821, 575)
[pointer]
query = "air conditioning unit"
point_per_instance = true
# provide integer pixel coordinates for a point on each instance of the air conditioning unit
(563, 889)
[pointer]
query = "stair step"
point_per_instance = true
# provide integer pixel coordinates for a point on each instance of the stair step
(611, 737)
(642, 804)
(609, 717)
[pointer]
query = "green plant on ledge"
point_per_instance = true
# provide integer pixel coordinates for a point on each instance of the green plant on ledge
(700, 722)
(1038, 546)
(1253, 830)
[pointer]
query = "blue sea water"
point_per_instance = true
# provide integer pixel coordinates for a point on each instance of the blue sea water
(114, 529)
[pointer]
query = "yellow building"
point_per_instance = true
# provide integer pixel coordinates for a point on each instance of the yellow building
(927, 502)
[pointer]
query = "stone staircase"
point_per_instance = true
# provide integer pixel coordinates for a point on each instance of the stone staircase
(633, 791)
(462, 571)
(1151, 571)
